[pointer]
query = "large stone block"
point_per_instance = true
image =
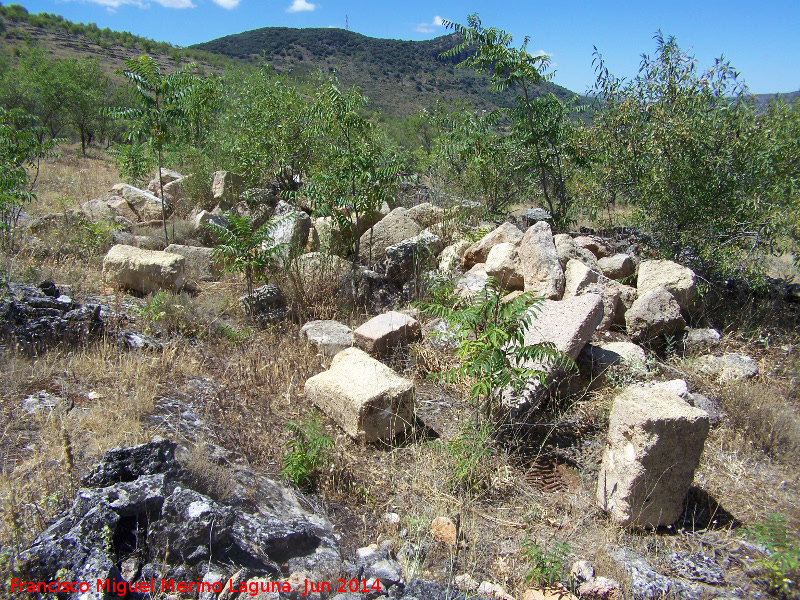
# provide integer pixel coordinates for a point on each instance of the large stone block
(652, 314)
(567, 249)
(365, 397)
(144, 271)
(678, 280)
(503, 264)
(410, 257)
(568, 323)
(330, 337)
(426, 214)
(385, 331)
(392, 229)
(146, 206)
(655, 439)
(618, 266)
(199, 266)
(479, 251)
(541, 268)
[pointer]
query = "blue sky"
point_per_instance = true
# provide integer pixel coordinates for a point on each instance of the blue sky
(761, 39)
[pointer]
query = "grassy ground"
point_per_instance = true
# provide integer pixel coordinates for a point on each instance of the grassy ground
(539, 489)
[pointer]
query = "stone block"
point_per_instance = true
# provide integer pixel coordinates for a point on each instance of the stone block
(541, 268)
(386, 331)
(479, 251)
(144, 271)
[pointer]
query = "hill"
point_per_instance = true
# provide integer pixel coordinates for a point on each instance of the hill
(400, 76)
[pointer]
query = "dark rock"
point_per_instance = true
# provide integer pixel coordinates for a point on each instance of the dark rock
(266, 303)
(533, 216)
(427, 590)
(696, 566)
(133, 340)
(127, 464)
(409, 257)
(49, 289)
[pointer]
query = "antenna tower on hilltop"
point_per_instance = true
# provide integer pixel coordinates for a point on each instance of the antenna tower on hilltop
(347, 23)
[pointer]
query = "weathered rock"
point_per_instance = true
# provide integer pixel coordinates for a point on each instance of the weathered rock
(715, 413)
(199, 265)
(541, 269)
(614, 353)
(133, 340)
(504, 265)
(225, 188)
(649, 584)
(370, 219)
(121, 208)
(167, 177)
(577, 277)
(98, 210)
(698, 341)
(617, 266)
(146, 206)
(291, 229)
(627, 296)
(365, 397)
(601, 588)
(534, 215)
(594, 245)
(392, 229)
(654, 444)
(479, 251)
(567, 249)
(472, 282)
(610, 295)
(426, 214)
(450, 258)
(444, 530)
(200, 219)
(145, 242)
(569, 323)
(696, 566)
(44, 401)
(330, 237)
(144, 271)
(172, 192)
(267, 303)
(414, 255)
(330, 337)
(728, 367)
(384, 332)
(33, 319)
(654, 313)
(678, 280)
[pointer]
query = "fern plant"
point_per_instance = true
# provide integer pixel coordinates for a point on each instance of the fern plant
(243, 249)
(546, 564)
(492, 346)
(783, 552)
(306, 453)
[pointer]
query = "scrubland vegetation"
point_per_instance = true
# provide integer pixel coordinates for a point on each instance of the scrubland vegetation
(684, 156)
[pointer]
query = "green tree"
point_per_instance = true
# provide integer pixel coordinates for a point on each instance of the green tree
(161, 109)
(88, 89)
(541, 125)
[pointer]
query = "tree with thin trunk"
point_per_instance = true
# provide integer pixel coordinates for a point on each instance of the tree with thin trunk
(161, 109)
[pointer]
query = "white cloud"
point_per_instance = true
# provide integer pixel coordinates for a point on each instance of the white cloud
(429, 27)
(541, 53)
(229, 4)
(301, 6)
(168, 3)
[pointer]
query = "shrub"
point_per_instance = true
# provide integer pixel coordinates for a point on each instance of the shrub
(306, 453)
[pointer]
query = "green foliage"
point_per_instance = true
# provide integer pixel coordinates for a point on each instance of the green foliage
(704, 172)
(783, 552)
(546, 564)
(21, 146)
(243, 249)
(539, 125)
(306, 453)
(491, 346)
(161, 108)
(132, 161)
(469, 450)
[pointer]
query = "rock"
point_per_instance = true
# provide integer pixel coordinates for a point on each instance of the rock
(534, 215)
(146, 206)
(199, 265)
(42, 400)
(326, 273)
(370, 219)
(577, 277)
(729, 367)
(715, 413)
(617, 266)
(450, 258)
(654, 313)
(172, 192)
(267, 303)
(47, 221)
(568, 323)
(98, 210)
(479, 251)
(145, 242)
(331, 238)
(466, 583)
(696, 566)
(627, 296)
(567, 249)
(472, 282)
(406, 259)
(330, 337)
(654, 444)
(582, 570)
(363, 396)
(679, 387)
(646, 582)
(392, 229)
(133, 340)
(444, 530)
(594, 245)
(609, 292)
(614, 353)
(144, 271)
(504, 265)
(291, 230)
(698, 341)
(428, 590)
(552, 593)
(601, 588)
(678, 280)
(384, 332)
(200, 219)
(541, 269)
(493, 590)
(167, 177)
(225, 188)
(426, 214)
